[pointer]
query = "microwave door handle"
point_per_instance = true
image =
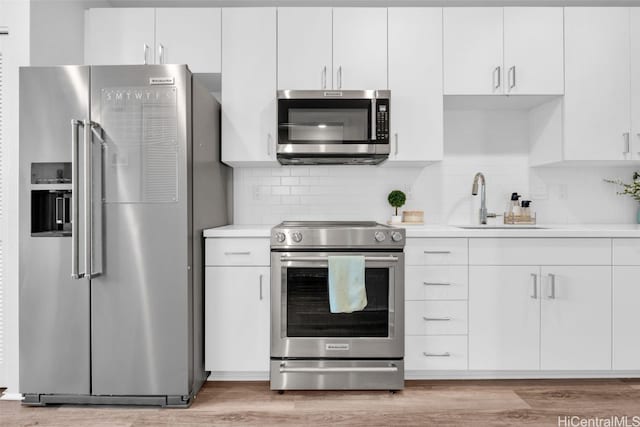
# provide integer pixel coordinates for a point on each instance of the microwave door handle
(373, 119)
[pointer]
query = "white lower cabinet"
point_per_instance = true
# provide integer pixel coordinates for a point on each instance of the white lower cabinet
(237, 320)
(626, 317)
(427, 353)
(550, 318)
(575, 331)
(504, 318)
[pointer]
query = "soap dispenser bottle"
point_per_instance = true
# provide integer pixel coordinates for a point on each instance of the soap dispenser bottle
(514, 207)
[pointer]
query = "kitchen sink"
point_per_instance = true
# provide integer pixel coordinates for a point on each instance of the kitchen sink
(500, 227)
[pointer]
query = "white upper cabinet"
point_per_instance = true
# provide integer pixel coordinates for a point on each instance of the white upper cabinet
(304, 48)
(534, 50)
(189, 36)
(415, 81)
(597, 86)
(123, 36)
(248, 85)
(360, 48)
(496, 51)
(473, 51)
(119, 36)
(635, 83)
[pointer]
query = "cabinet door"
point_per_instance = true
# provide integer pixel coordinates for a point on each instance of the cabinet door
(626, 318)
(576, 318)
(119, 36)
(304, 48)
(360, 48)
(248, 85)
(415, 80)
(534, 50)
(237, 319)
(473, 51)
(504, 318)
(189, 36)
(635, 83)
(597, 83)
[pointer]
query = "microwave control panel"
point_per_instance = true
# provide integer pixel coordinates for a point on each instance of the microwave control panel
(382, 120)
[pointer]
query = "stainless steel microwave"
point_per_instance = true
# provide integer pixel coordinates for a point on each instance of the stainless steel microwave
(333, 126)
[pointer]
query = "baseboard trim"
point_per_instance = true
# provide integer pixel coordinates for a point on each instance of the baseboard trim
(6, 395)
(513, 375)
(239, 376)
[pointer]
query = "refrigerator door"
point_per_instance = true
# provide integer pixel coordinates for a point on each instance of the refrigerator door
(141, 298)
(54, 308)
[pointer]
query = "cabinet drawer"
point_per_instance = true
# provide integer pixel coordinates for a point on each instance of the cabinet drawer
(436, 252)
(539, 251)
(446, 282)
(435, 317)
(238, 251)
(435, 353)
(626, 252)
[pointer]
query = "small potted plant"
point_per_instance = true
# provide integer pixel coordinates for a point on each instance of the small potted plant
(396, 199)
(632, 189)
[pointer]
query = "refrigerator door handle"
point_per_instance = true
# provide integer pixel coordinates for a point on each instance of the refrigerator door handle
(91, 129)
(88, 186)
(75, 197)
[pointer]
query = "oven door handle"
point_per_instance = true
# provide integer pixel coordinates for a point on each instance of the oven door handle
(340, 369)
(326, 259)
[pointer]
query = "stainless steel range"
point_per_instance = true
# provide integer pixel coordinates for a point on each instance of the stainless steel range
(312, 348)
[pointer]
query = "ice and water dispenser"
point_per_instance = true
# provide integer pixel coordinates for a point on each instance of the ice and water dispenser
(50, 199)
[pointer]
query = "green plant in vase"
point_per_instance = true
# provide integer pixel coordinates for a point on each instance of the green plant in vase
(396, 199)
(632, 189)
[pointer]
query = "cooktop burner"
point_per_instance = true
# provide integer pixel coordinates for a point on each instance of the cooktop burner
(336, 234)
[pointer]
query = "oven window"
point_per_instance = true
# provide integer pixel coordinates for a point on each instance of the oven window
(308, 312)
(324, 121)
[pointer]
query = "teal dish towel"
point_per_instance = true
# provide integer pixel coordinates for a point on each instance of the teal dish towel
(347, 292)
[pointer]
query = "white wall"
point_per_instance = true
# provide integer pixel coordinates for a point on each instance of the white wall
(15, 15)
(494, 142)
(57, 36)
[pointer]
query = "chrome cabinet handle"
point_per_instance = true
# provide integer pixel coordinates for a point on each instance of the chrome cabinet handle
(512, 77)
(146, 53)
(436, 319)
(437, 252)
(396, 138)
(436, 284)
(75, 198)
(261, 287)
(324, 77)
(534, 287)
(552, 286)
(447, 354)
(496, 77)
(160, 53)
(627, 143)
(269, 144)
(338, 369)
(238, 253)
(340, 77)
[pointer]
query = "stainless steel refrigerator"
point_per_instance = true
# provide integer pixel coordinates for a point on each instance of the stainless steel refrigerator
(119, 174)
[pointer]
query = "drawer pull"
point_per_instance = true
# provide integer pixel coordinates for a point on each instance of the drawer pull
(447, 354)
(437, 252)
(436, 284)
(238, 253)
(436, 319)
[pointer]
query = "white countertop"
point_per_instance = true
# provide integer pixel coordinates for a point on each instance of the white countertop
(583, 230)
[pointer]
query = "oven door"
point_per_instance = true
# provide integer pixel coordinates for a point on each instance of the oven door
(302, 325)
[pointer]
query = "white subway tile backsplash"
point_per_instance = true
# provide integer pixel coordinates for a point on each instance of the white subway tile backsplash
(493, 142)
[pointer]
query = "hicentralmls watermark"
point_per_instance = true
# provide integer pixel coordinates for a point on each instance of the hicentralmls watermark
(612, 421)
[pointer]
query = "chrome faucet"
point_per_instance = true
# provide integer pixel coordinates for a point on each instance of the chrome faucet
(479, 178)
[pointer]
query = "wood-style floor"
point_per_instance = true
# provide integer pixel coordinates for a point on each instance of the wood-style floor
(442, 403)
